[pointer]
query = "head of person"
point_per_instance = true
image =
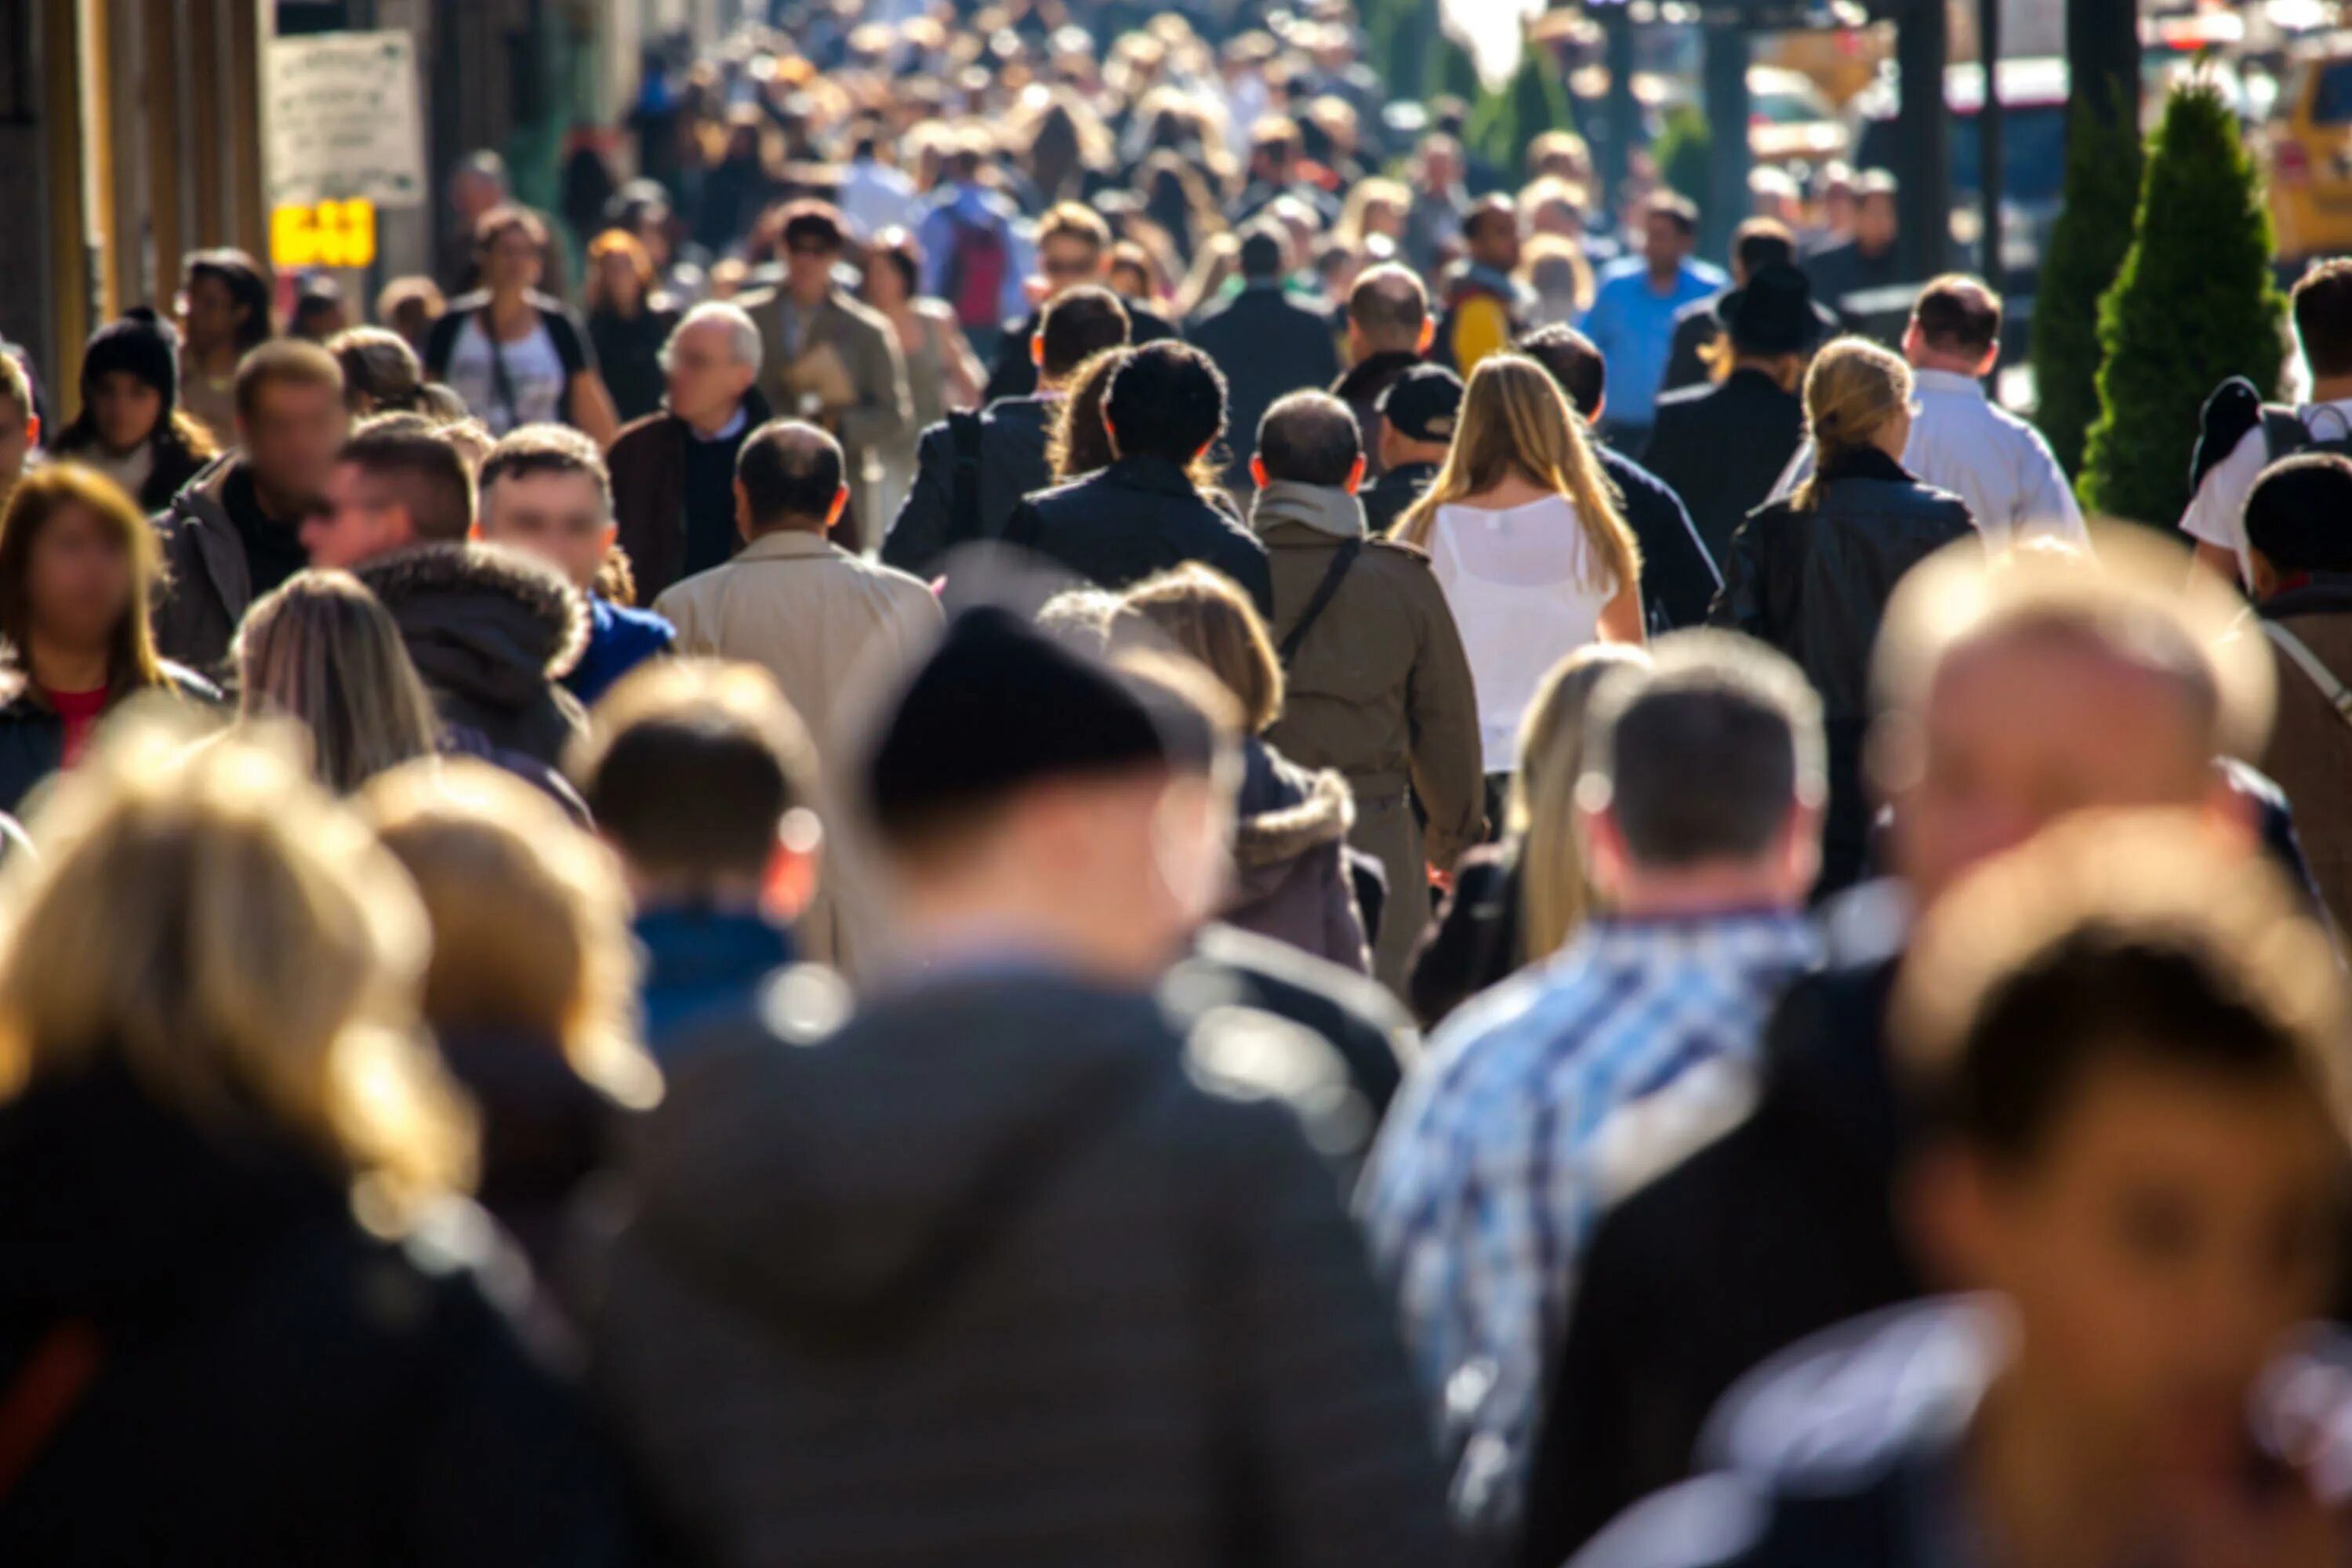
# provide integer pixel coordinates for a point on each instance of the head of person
(813, 237)
(1199, 613)
(290, 421)
(20, 422)
(1705, 776)
(320, 651)
(1309, 438)
(1073, 243)
(1769, 325)
(1490, 233)
(1857, 400)
(1072, 810)
(2322, 303)
(1079, 441)
(1955, 326)
(1839, 197)
(511, 243)
(893, 272)
(1772, 194)
(529, 916)
(398, 485)
(700, 774)
(130, 385)
(381, 373)
(790, 478)
(478, 184)
(1165, 400)
(1552, 207)
(1073, 327)
(545, 491)
(1388, 312)
(1131, 273)
(1516, 423)
(2014, 691)
(1265, 253)
(1437, 164)
(620, 273)
(1669, 230)
(319, 310)
(1758, 243)
(1874, 210)
(1420, 411)
(410, 306)
(2294, 522)
(710, 363)
(1575, 364)
(223, 301)
(1274, 148)
(1539, 812)
(258, 969)
(78, 567)
(2126, 1044)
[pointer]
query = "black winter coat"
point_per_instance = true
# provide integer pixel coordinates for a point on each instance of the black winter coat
(1387, 498)
(1012, 436)
(1354, 1015)
(1678, 576)
(1360, 389)
(1141, 515)
(1268, 345)
(987, 1276)
(1723, 447)
(33, 737)
(271, 1384)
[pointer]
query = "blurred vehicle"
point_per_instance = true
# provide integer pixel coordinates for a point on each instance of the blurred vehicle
(2033, 153)
(1790, 121)
(2307, 152)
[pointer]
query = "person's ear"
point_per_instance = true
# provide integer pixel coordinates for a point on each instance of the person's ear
(1598, 409)
(1607, 861)
(1355, 474)
(32, 429)
(1037, 349)
(1800, 852)
(609, 538)
(1428, 335)
(742, 510)
(840, 504)
(789, 883)
(1947, 1203)
(2266, 575)
(1992, 358)
(1257, 472)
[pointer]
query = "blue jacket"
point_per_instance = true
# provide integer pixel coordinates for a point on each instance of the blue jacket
(704, 964)
(619, 639)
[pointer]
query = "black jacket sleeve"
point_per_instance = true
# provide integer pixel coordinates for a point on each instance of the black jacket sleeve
(919, 536)
(1741, 605)
(1679, 579)
(1243, 560)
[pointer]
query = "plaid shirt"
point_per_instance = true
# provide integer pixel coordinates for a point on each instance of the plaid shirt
(1483, 1192)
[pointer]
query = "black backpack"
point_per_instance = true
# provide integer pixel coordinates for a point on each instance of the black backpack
(2236, 408)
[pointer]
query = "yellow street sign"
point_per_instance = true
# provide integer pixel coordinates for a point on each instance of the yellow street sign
(327, 234)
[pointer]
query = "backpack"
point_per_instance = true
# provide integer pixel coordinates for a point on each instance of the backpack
(2236, 408)
(973, 281)
(2285, 434)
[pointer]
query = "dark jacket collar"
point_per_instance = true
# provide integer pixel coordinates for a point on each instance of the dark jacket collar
(1866, 463)
(2318, 594)
(1156, 474)
(1375, 372)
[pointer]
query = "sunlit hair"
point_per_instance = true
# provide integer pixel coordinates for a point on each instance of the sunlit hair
(616, 242)
(40, 498)
(530, 918)
(210, 921)
(1079, 442)
(1366, 194)
(1855, 389)
(1516, 423)
(381, 371)
(1201, 614)
(1540, 812)
(321, 651)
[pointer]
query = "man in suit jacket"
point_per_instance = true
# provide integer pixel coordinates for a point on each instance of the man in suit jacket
(830, 359)
(1266, 344)
(674, 470)
(1073, 251)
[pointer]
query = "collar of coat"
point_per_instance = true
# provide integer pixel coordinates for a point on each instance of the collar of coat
(1157, 475)
(788, 545)
(1326, 508)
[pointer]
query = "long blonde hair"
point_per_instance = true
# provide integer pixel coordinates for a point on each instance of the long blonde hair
(1852, 391)
(321, 650)
(209, 921)
(1515, 421)
(1540, 813)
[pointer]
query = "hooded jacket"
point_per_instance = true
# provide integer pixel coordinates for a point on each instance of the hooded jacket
(1006, 1271)
(207, 581)
(492, 632)
(1290, 860)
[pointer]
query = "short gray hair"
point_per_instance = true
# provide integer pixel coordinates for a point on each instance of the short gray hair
(742, 333)
(1700, 756)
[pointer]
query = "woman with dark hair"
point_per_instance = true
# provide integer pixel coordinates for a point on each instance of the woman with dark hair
(628, 322)
(77, 570)
(942, 371)
(514, 354)
(382, 374)
(223, 314)
(132, 428)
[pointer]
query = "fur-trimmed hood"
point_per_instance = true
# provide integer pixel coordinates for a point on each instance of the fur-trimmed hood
(487, 623)
(1286, 813)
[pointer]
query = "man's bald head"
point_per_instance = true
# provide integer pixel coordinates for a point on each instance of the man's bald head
(789, 476)
(1389, 308)
(1955, 325)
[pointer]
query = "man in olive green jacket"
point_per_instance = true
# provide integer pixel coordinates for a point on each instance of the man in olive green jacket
(1377, 686)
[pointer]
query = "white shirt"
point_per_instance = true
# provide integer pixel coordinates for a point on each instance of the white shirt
(534, 376)
(1963, 442)
(876, 196)
(2217, 513)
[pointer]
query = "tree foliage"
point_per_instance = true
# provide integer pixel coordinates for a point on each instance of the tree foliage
(1685, 153)
(1533, 101)
(2086, 249)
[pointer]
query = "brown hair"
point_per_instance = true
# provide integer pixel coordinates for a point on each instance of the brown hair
(428, 471)
(1853, 390)
(1074, 220)
(1958, 314)
(1078, 442)
(499, 221)
(1204, 616)
(616, 242)
(2322, 297)
(284, 361)
(131, 664)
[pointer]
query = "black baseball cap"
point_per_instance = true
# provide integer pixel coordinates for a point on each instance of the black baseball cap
(1423, 402)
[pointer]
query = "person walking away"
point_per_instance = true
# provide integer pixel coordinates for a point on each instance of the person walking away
(1264, 344)
(674, 472)
(1870, 260)
(1631, 321)
(224, 316)
(1389, 330)
(1416, 417)
(1960, 440)
(1144, 513)
(1721, 448)
(828, 359)
(173, 1264)
(941, 373)
(1073, 251)
(1485, 304)
(131, 428)
(2120, 1016)
(77, 570)
(544, 491)
(1026, 802)
(1679, 580)
(628, 322)
(1527, 544)
(1375, 682)
(234, 531)
(1756, 244)
(382, 374)
(972, 469)
(1811, 574)
(1700, 812)
(973, 256)
(703, 780)
(514, 354)
(1291, 880)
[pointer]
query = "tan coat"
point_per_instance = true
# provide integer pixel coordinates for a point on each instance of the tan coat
(850, 364)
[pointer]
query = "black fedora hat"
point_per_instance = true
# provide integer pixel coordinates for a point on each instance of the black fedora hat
(1773, 313)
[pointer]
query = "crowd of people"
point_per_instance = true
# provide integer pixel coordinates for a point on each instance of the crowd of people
(1115, 814)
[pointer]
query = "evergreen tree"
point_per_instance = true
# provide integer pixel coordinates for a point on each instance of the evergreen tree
(1686, 151)
(2194, 303)
(1533, 101)
(2086, 248)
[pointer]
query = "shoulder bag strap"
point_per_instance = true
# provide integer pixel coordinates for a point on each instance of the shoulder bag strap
(1341, 561)
(2338, 696)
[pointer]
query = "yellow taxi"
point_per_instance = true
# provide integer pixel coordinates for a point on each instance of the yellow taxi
(2307, 152)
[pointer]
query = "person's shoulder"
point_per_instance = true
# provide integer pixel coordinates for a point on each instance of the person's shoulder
(1384, 554)
(1712, 1522)
(639, 625)
(1684, 401)
(867, 318)
(186, 683)
(1697, 314)
(642, 431)
(1621, 274)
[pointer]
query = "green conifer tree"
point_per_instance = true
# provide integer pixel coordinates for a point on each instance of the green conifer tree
(2086, 248)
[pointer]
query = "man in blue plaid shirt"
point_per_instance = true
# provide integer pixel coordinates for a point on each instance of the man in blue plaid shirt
(1701, 808)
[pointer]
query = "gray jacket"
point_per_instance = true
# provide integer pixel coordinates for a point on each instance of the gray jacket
(208, 585)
